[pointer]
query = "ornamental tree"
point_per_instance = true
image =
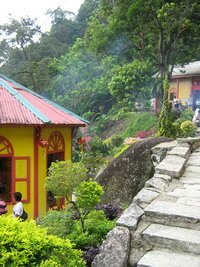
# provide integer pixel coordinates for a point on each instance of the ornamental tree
(64, 176)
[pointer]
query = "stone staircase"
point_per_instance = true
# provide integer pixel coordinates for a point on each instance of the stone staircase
(173, 232)
(161, 228)
(198, 131)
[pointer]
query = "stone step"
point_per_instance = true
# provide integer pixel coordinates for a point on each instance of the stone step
(157, 258)
(160, 211)
(179, 192)
(174, 238)
(191, 175)
(194, 160)
(191, 181)
(193, 169)
(171, 165)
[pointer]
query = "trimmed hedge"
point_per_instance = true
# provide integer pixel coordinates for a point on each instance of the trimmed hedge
(25, 244)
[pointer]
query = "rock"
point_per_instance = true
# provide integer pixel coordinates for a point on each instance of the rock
(157, 183)
(127, 174)
(192, 187)
(159, 151)
(145, 197)
(189, 201)
(114, 251)
(130, 217)
(193, 142)
(165, 177)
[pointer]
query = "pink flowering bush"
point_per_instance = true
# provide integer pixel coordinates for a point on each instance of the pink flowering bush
(144, 134)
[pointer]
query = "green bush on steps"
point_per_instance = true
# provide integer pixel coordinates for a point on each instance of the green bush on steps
(188, 128)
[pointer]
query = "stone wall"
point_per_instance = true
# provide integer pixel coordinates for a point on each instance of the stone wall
(170, 162)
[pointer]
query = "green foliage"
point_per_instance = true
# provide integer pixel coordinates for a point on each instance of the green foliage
(166, 118)
(93, 161)
(116, 141)
(188, 128)
(187, 114)
(64, 176)
(25, 244)
(59, 223)
(97, 227)
(131, 82)
(88, 194)
(98, 146)
(177, 127)
(144, 121)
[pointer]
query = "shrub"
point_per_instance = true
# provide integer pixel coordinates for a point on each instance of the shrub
(166, 117)
(116, 141)
(90, 254)
(96, 228)
(59, 223)
(112, 211)
(98, 224)
(88, 194)
(25, 244)
(98, 146)
(187, 114)
(144, 134)
(188, 128)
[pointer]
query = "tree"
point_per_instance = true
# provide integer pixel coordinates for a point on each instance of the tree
(131, 82)
(82, 83)
(65, 178)
(165, 33)
(20, 34)
(15, 52)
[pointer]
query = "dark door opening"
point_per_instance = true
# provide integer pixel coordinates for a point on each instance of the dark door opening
(5, 178)
(53, 157)
(196, 99)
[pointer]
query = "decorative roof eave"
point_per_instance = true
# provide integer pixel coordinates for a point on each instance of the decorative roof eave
(45, 99)
(42, 125)
(178, 76)
(24, 101)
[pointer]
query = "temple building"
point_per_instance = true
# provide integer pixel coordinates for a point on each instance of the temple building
(34, 132)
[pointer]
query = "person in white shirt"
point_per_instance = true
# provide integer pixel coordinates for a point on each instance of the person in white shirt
(196, 118)
(18, 208)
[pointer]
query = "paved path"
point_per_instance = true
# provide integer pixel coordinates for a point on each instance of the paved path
(169, 231)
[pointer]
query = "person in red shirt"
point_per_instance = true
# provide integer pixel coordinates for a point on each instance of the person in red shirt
(3, 205)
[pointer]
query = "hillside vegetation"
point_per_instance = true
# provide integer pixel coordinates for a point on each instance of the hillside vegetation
(102, 59)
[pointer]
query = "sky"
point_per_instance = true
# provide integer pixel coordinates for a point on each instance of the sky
(35, 9)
